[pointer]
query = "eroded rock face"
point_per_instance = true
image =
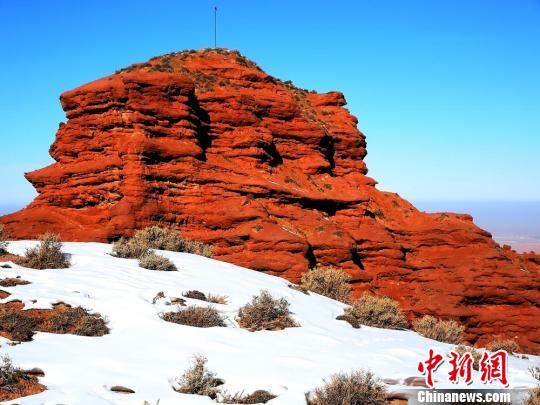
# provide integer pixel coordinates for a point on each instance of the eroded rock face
(273, 176)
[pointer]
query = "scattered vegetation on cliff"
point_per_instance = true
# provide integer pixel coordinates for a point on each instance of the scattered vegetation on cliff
(357, 387)
(265, 312)
(3, 239)
(199, 380)
(380, 312)
(47, 255)
(199, 317)
(444, 331)
(152, 261)
(155, 237)
(509, 345)
(328, 281)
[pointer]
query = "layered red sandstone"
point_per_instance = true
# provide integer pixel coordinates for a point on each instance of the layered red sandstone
(274, 177)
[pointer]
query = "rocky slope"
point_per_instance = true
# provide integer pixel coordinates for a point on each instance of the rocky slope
(274, 176)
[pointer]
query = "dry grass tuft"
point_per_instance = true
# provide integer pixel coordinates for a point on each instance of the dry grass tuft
(195, 294)
(199, 317)
(155, 237)
(78, 321)
(20, 327)
(476, 354)
(299, 288)
(508, 345)
(535, 372)
(3, 239)
(10, 376)
(256, 397)
(380, 312)
(444, 331)
(47, 255)
(355, 388)
(153, 261)
(198, 380)
(266, 313)
(534, 397)
(213, 298)
(13, 282)
(328, 281)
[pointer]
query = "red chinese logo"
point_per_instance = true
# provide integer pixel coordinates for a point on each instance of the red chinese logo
(429, 366)
(492, 367)
(461, 367)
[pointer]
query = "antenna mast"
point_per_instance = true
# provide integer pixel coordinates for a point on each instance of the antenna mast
(215, 27)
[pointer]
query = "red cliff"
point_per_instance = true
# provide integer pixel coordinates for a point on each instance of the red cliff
(274, 177)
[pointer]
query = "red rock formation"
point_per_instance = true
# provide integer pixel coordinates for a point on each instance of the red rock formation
(274, 176)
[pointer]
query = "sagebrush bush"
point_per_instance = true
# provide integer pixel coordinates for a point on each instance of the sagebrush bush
(10, 376)
(155, 237)
(380, 312)
(534, 397)
(200, 317)
(355, 388)
(266, 313)
(198, 380)
(328, 281)
(476, 354)
(47, 255)
(509, 345)
(20, 327)
(3, 239)
(78, 321)
(444, 331)
(256, 397)
(213, 298)
(152, 261)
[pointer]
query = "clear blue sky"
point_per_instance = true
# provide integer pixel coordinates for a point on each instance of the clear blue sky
(447, 92)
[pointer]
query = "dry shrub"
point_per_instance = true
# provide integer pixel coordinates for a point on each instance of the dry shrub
(195, 294)
(266, 313)
(198, 380)
(3, 239)
(256, 397)
(299, 288)
(535, 372)
(213, 298)
(380, 312)
(200, 317)
(444, 331)
(155, 237)
(355, 388)
(10, 376)
(534, 397)
(198, 248)
(328, 281)
(78, 321)
(153, 261)
(476, 354)
(216, 298)
(12, 282)
(20, 327)
(508, 345)
(47, 255)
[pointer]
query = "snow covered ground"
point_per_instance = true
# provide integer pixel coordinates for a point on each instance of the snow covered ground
(146, 354)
